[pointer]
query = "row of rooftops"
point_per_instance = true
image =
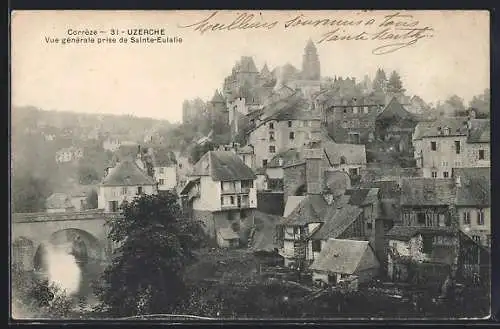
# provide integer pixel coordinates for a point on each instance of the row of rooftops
(476, 130)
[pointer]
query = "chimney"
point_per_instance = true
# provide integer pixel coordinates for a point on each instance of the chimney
(314, 170)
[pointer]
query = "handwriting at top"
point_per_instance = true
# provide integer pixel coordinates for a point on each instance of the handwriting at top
(241, 22)
(395, 30)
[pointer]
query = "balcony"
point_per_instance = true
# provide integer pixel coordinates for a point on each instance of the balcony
(243, 190)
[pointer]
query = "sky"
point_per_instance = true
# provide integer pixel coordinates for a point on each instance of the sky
(152, 80)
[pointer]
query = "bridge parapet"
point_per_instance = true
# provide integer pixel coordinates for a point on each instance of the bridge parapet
(64, 216)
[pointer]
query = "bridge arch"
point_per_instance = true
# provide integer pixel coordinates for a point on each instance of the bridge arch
(87, 251)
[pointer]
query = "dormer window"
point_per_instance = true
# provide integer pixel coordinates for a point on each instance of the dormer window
(446, 131)
(271, 125)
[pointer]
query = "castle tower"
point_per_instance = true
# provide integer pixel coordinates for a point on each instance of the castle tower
(311, 69)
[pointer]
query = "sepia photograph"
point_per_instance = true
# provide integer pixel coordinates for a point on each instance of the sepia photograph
(211, 165)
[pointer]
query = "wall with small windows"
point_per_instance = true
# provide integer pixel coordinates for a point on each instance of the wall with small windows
(274, 137)
(476, 223)
(110, 197)
(438, 156)
(166, 177)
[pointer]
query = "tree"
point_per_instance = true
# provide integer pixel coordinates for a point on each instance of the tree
(87, 174)
(199, 150)
(395, 84)
(29, 193)
(455, 105)
(380, 81)
(481, 103)
(155, 245)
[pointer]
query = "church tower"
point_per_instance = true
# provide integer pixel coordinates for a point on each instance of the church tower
(310, 63)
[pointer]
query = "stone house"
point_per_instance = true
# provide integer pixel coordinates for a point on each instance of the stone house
(473, 203)
(344, 259)
(165, 170)
(221, 191)
(291, 124)
(124, 182)
(448, 143)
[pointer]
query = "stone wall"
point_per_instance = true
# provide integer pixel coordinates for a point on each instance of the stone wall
(294, 176)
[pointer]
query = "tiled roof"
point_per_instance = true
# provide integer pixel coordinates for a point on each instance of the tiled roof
(217, 98)
(227, 233)
(309, 210)
(388, 189)
(288, 157)
(164, 158)
(480, 131)
(127, 173)
(292, 203)
(336, 221)
(344, 256)
(362, 196)
(395, 109)
(475, 187)
(353, 153)
(427, 192)
(405, 233)
(263, 238)
(457, 127)
(58, 201)
(223, 166)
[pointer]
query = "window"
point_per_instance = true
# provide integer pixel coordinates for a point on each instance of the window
(232, 199)
(271, 125)
(345, 110)
(427, 244)
(180, 165)
(113, 206)
(466, 218)
(355, 110)
(264, 162)
(457, 147)
(289, 124)
(162, 170)
(434, 174)
(222, 200)
(316, 245)
(139, 190)
(124, 190)
(481, 154)
(480, 217)
(271, 136)
(476, 238)
(366, 109)
(444, 163)
(343, 160)
(222, 186)
(345, 124)
(161, 181)
(369, 226)
(433, 146)
(445, 174)
(292, 135)
(247, 184)
(272, 149)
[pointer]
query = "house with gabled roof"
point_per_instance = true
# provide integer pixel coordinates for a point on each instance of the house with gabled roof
(344, 259)
(221, 191)
(124, 182)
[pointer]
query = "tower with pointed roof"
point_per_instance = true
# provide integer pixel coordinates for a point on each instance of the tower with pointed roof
(311, 69)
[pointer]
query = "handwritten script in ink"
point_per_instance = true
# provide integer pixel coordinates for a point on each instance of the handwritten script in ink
(391, 32)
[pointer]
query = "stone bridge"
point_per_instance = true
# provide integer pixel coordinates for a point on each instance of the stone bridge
(31, 233)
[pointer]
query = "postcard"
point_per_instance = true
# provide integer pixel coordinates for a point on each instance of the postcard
(250, 165)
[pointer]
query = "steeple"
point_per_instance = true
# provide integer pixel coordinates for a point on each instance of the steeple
(311, 69)
(217, 98)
